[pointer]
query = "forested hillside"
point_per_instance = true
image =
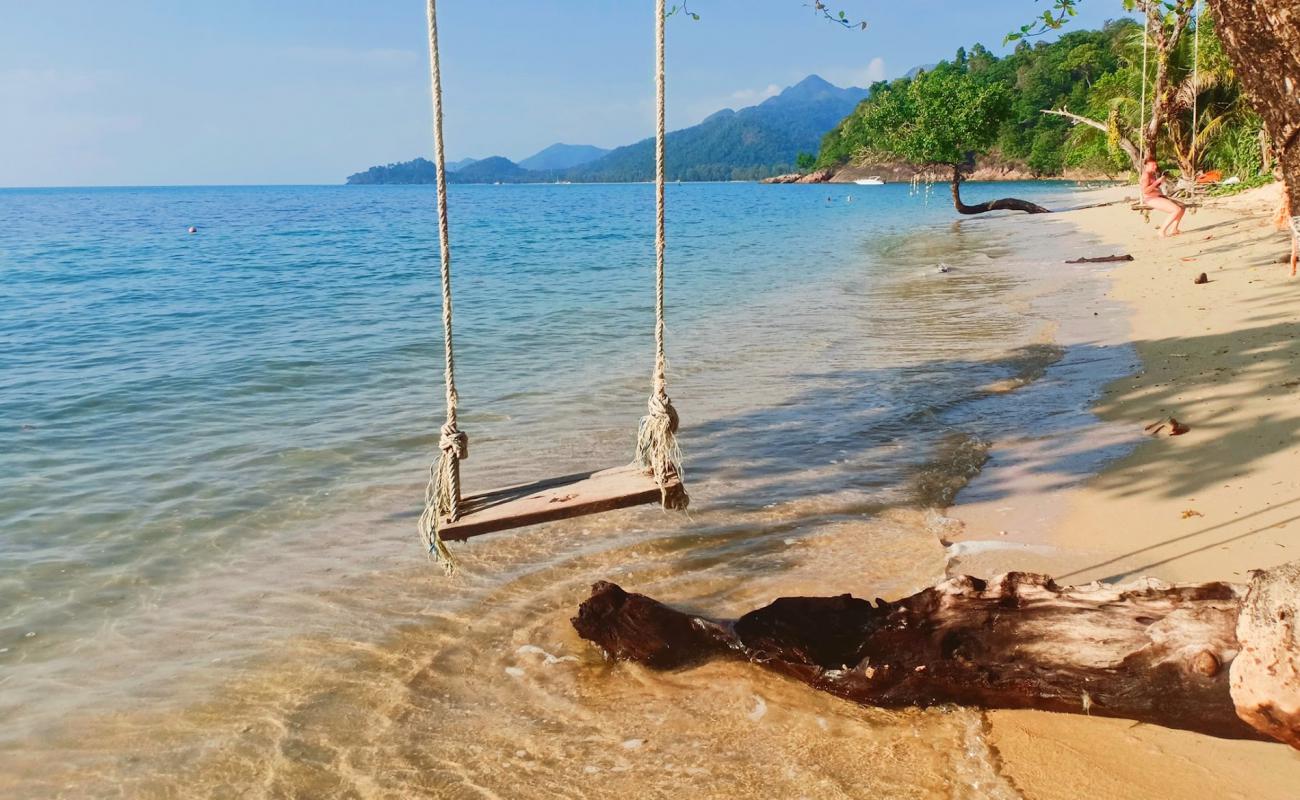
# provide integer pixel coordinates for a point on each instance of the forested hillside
(1096, 74)
(754, 142)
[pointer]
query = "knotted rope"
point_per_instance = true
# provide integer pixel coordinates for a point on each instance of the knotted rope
(1196, 87)
(656, 445)
(442, 495)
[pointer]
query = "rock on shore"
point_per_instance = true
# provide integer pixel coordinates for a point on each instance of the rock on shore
(816, 176)
(986, 169)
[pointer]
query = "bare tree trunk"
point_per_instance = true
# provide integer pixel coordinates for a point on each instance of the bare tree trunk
(1165, 41)
(1005, 204)
(1262, 39)
(1216, 658)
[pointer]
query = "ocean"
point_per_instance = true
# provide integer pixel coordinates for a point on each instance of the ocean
(216, 445)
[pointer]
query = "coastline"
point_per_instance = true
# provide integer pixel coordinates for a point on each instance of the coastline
(1211, 504)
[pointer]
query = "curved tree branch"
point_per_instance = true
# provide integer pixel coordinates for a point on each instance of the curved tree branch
(1004, 204)
(1130, 149)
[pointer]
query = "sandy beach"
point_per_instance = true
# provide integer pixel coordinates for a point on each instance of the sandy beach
(1211, 504)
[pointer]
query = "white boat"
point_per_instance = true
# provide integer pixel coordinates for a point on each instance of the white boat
(874, 180)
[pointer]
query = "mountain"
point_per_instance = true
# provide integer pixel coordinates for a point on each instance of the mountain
(751, 143)
(563, 156)
(748, 144)
(459, 165)
(492, 170)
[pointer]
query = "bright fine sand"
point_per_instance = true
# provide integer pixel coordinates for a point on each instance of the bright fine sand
(1212, 504)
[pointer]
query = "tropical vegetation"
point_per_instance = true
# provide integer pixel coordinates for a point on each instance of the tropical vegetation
(1075, 103)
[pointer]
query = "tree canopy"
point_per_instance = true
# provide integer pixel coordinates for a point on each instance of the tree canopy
(939, 117)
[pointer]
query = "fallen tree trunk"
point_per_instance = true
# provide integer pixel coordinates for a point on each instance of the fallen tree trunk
(1216, 658)
(1005, 204)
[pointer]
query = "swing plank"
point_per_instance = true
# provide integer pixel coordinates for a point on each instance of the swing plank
(552, 499)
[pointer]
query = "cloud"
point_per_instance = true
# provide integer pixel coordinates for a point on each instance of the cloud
(694, 110)
(748, 97)
(857, 76)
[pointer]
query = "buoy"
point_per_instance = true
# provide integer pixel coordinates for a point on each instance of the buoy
(193, 229)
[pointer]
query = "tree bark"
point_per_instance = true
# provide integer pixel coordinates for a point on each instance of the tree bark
(1005, 204)
(1216, 658)
(1262, 40)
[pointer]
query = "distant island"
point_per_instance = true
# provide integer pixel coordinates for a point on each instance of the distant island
(753, 143)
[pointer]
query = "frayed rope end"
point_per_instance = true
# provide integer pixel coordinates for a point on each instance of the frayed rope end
(437, 503)
(658, 452)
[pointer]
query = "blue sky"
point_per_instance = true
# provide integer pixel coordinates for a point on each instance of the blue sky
(253, 91)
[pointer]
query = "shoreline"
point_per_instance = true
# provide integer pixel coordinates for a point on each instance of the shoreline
(1211, 504)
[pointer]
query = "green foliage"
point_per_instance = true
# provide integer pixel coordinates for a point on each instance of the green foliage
(1237, 152)
(1062, 11)
(805, 161)
(939, 117)
(1047, 155)
(1093, 73)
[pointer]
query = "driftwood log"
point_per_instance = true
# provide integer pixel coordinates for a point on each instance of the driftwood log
(1100, 259)
(1217, 658)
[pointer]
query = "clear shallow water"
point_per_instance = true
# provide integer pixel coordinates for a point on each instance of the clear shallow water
(215, 448)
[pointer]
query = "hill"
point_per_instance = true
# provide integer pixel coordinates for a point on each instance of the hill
(562, 156)
(752, 143)
(496, 169)
(748, 144)
(419, 170)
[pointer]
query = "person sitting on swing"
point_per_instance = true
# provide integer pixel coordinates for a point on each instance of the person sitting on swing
(1152, 185)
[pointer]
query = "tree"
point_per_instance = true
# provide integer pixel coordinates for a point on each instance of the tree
(1262, 39)
(1166, 22)
(805, 161)
(939, 119)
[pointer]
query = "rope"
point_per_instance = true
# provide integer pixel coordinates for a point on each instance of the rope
(1146, 43)
(656, 446)
(1196, 85)
(442, 495)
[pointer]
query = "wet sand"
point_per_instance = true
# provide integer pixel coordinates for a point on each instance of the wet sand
(1212, 504)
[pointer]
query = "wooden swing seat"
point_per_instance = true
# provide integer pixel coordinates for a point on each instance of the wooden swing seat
(1146, 209)
(552, 499)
